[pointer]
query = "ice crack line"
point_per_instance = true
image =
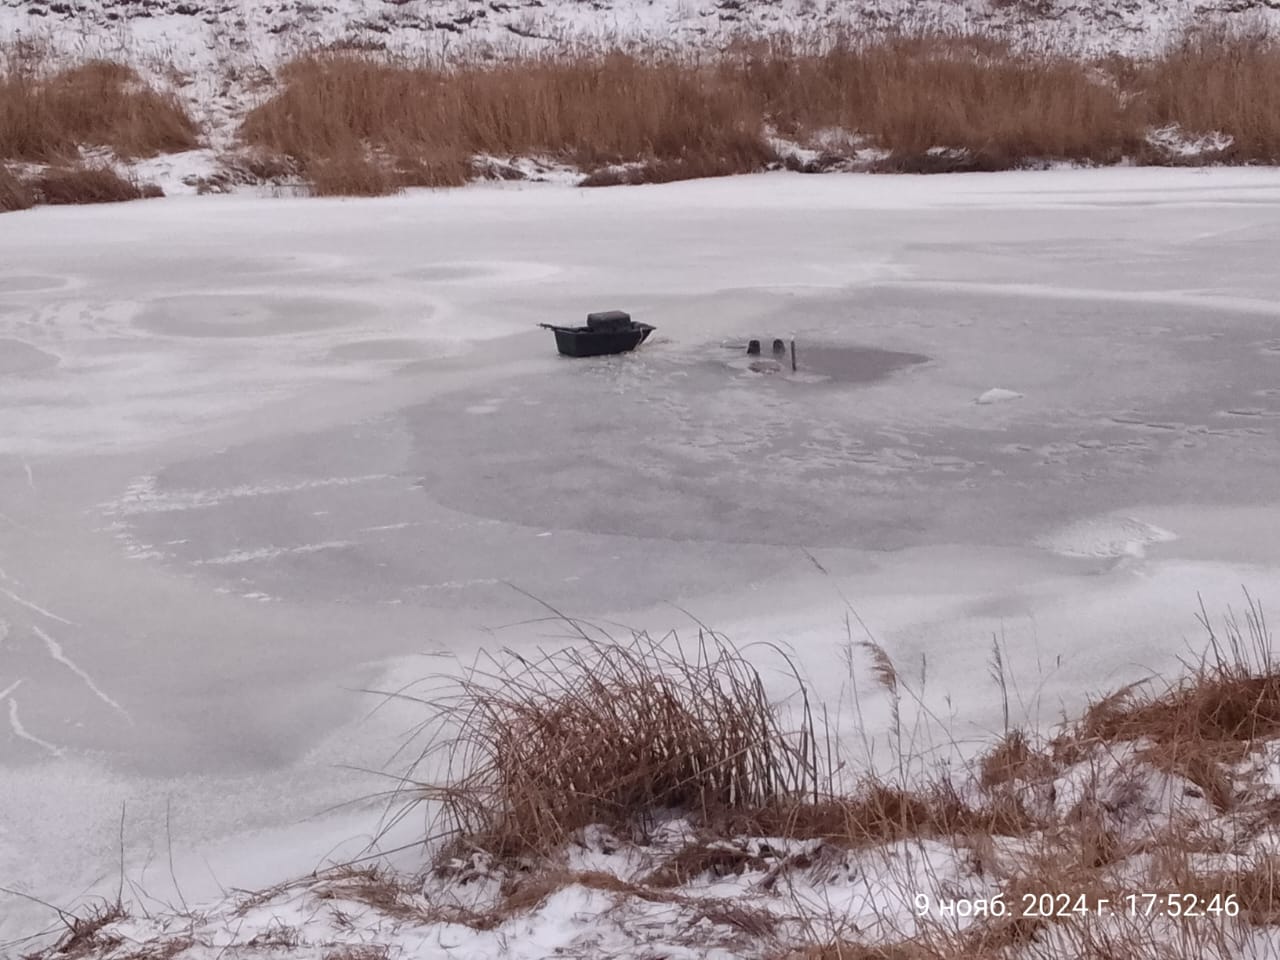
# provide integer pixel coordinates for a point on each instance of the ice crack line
(31, 606)
(270, 553)
(56, 652)
(142, 496)
(22, 733)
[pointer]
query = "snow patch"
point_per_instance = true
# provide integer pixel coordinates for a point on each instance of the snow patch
(998, 395)
(1178, 143)
(1110, 537)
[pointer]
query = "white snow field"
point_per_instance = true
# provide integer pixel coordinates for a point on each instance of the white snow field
(258, 454)
(202, 36)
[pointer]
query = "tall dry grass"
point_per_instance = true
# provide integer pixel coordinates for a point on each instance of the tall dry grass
(48, 113)
(351, 174)
(82, 184)
(74, 184)
(672, 118)
(363, 122)
(15, 194)
(927, 103)
(1218, 82)
(997, 107)
(536, 748)
(591, 110)
(1202, 725)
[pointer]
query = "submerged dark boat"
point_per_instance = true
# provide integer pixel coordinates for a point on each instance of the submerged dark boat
(612, 331)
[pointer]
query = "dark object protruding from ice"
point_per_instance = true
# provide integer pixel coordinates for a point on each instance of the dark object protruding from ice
(753, 348)
(779, 346)
(610, 331)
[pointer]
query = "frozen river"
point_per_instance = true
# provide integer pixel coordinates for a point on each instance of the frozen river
(257, 454)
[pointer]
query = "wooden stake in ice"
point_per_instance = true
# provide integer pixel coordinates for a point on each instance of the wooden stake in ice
(793, 354)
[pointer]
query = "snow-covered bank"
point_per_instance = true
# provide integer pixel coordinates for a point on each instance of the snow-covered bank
(347, 405)
(198, 36)
(1145, 827)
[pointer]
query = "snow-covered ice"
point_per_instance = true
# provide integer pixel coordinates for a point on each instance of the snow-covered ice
(257, 455)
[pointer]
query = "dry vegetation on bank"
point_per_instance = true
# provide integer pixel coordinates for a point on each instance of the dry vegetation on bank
(87, 184)
(361, 122)
(915, 104)
(80, 183)
(1157, 788)
(366, 123)
(15, 193)
(660, 790)
(49, 115)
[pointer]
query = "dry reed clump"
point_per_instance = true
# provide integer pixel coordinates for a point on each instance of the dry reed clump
(15, 194)
(351, 174)
(85, 934)
(1012, 759)
(47, 114)
(606, 733)
(665, 171)
(1227, 704)
(875, 813)
(609, 733)
(88, 184)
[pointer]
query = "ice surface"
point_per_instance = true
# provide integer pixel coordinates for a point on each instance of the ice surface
(998, 395)
(256, 455)
(19, 357)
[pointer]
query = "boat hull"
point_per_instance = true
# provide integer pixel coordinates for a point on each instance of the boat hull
(584, 342)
